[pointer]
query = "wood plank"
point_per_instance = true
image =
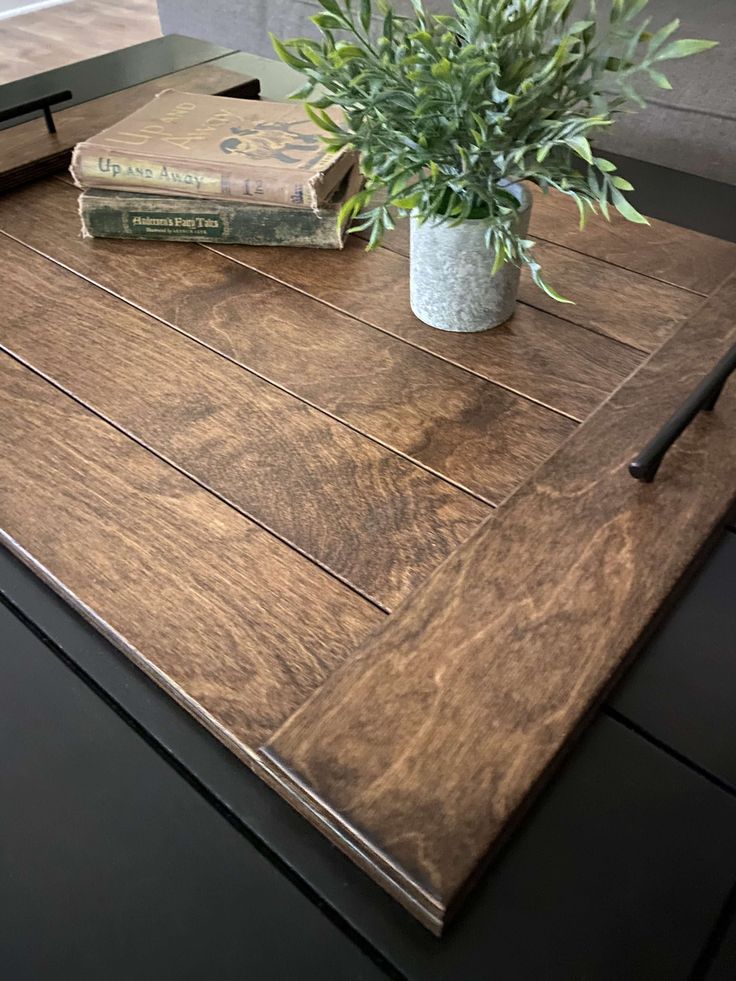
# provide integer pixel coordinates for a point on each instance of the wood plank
(535, 354)
(235, 625)
(666, 252)
(624, 305)
(370, 517)
(674, 255)
(456, 424)
(27, 151)
(418, 752)
(619, 304)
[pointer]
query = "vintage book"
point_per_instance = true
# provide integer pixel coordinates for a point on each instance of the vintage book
(210, 146)
(126, 214)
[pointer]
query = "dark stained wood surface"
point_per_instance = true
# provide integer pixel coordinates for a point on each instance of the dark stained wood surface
(234, 624)
(27, 151)
(541, 356)
(624, 305)
(666, 252)
(636, 310)
(367, 515)
(662, 251)
(426, 743)
(295, 430)
(453, 422)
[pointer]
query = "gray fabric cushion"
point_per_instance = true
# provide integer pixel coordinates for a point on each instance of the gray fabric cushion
(691, 128)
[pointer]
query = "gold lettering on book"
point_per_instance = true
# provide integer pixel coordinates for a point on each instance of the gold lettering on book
(129, 171)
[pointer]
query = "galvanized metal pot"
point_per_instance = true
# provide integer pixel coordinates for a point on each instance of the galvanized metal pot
(451, 283)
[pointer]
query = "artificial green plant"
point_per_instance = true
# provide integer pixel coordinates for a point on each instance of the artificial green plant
(448, 109)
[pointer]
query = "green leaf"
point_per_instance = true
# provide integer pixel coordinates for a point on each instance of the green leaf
(660, 80)
(320, 117)
(534, 269)
(304, 92)
(442, 69)
(605, 165)
(580, 25)
(580, 145)
(662, 34)
(333, 6)
(285, 55)
(329, 21)
(346, 52)
(520, 22)
(365, 14)
(634, 7)
(407, 203)
(500, 258)
(348, 211)
(581, 211)
(622, 184)
(618, 65)
(627, 210)
(684, 47)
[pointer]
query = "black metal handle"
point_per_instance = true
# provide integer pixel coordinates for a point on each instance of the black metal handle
(646, 464)
(44, 103)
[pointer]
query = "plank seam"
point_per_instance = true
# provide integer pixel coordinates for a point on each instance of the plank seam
(596, 258)
(195, 480)
(419, 347)
(264, 378)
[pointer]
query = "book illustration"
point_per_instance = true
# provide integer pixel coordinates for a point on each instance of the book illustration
(276, 140)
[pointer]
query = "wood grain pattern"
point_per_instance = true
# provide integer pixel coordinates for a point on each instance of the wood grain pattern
(666, 252)
(540, 356)
(234, 624)
(618, 303)
(27, 151)
(373, 519)
(460, 426)
(427, 742)
(674, 255)
(624, 305)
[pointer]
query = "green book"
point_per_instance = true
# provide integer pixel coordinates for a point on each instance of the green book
(126, 214)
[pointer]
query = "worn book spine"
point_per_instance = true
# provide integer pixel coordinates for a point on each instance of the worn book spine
(121, 214)
(96, 167)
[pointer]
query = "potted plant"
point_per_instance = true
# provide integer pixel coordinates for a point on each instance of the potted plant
(451, 113)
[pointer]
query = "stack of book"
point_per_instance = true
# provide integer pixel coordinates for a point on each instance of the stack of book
(204, 168)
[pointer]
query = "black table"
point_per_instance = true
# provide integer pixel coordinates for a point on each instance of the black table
(133, 845)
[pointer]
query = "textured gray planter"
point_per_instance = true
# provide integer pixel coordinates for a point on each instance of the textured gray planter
(451, 283)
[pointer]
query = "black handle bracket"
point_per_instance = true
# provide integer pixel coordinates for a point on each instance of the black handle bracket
(44, 104)
(703, 398)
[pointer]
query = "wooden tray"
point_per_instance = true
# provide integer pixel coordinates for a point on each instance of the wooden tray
(28, 151)
(389, 567)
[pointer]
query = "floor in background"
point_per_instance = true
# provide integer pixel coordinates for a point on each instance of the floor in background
(58, 35)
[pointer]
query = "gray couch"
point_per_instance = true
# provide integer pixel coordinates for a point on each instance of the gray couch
(691, 128)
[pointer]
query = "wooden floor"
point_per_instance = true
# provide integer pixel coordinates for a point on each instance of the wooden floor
(55, 36)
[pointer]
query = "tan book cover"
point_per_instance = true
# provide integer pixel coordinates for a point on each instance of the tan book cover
(211, 146)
